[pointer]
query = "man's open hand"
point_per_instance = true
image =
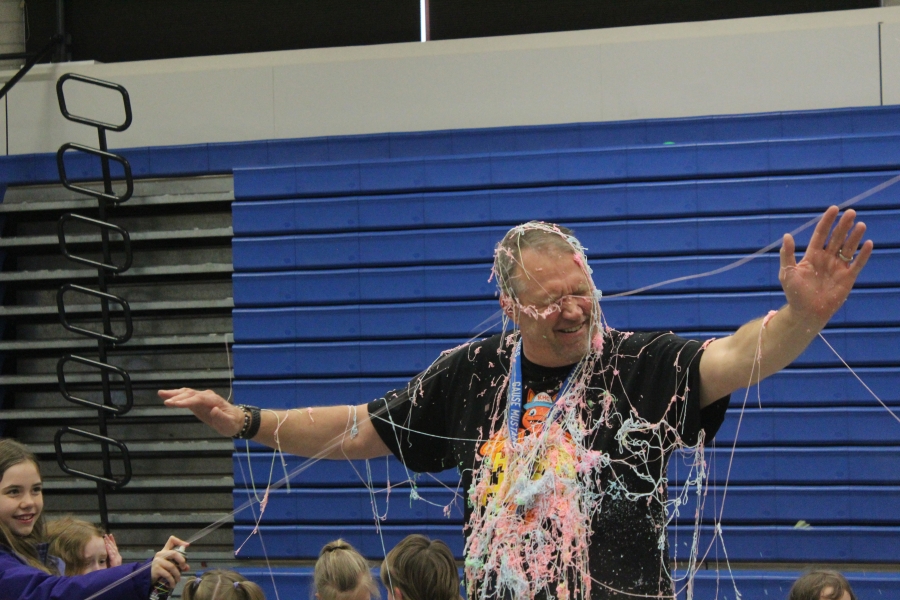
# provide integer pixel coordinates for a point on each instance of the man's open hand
(818, 285)
(207, 406)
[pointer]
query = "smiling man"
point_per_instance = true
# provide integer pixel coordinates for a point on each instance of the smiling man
(561, 426)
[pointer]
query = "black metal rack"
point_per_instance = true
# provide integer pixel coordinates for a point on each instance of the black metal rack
(107, 270)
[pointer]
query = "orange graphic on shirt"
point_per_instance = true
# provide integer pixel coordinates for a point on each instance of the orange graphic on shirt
(534, 414)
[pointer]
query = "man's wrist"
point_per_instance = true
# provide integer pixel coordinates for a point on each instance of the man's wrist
(251, 423)
(805, 320)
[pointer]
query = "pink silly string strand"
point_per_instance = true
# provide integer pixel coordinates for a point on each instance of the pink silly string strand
(253, 510)
(753, 371)
(279, 451)
(868, 389)
(265, 499)
(305, 465)
(262, 544)
(714, 542)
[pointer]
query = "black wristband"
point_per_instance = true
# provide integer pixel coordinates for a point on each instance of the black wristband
(252, 422)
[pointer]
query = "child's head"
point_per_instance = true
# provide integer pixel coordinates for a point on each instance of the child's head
(220, 584)
(79, 543)
(821, 585)
(21, 494)
(420, 569)
(343, 574)
(21, 500)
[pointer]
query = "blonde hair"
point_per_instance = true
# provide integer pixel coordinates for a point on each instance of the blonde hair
(68, 538)
(221, 584)
(341, 571)
(13, 453)
(422, 569)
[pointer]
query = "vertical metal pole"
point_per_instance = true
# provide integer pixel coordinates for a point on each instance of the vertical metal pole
(424, 20)
(107, 329)
(61, 51)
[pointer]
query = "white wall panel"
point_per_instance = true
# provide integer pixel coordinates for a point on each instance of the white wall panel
(759, 72)
(890, 62)
(439, 92)
(35, 124)
(182, 107)
(794, 62)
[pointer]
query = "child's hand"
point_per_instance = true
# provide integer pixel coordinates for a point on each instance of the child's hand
(168, 564)
(113, 558)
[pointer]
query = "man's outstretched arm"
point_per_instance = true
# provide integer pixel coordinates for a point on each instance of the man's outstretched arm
(322, 432)
(815, 290)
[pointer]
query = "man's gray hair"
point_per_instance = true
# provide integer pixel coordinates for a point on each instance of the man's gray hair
(534, 235)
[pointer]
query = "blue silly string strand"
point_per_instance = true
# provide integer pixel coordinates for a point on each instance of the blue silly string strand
(516, 373)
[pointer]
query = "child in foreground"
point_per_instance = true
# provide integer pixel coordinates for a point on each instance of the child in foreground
(83, 546)
(343, 574)
(29, 572)
(221, 584)
(420, 569)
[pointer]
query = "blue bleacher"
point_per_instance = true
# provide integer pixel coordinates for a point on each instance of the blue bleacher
(744, 543)
(869, 347)
(773, 504)
(570, 203)
(581, 166)
(296, 582)
(838, 465)
(306, 288)
(791, 387)
(465, 318)
(202, 159)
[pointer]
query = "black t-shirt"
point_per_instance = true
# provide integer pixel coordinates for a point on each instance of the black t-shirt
(450, 415)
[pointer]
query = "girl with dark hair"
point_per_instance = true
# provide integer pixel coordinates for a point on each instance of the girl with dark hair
(29, 572)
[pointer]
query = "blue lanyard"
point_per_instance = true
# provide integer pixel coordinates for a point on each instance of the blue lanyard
(514, 395)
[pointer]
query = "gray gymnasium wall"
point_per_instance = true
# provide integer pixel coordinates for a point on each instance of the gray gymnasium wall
(795, 62)
(12, 39)
(12, 31)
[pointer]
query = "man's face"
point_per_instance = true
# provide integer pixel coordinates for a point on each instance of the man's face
(553, 311)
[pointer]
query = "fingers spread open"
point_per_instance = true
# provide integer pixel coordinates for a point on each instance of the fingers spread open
(851, 244)
(863, 257)
(843, 227)
(820, 234)
(787, 252)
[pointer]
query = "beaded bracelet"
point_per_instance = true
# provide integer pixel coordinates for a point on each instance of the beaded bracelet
(252, 422)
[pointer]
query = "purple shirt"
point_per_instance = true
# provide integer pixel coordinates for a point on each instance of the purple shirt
(20, 581)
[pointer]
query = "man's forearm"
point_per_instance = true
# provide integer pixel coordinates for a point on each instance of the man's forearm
(755, 351)
(322, 432)
(327, 432)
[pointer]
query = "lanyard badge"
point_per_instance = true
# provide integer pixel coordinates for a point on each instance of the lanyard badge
(514, 395)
